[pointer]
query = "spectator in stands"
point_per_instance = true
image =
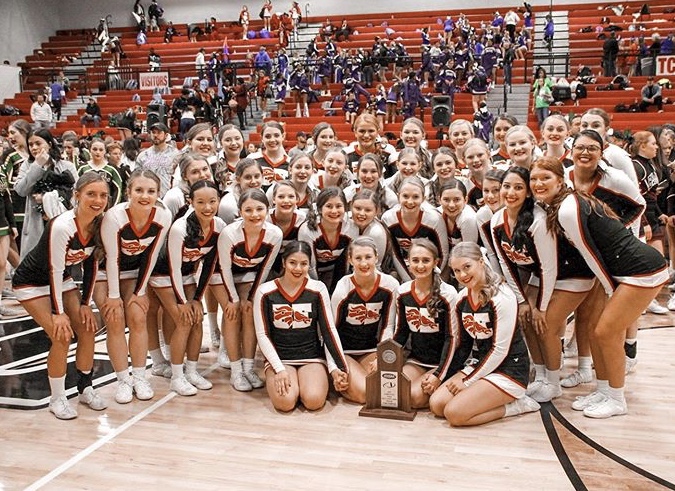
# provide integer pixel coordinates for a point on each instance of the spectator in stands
(241, 97)
(541, 90)
(138, 11)
(211, 29)
(160, 157)
(668, 45)
(511, 20)
(200, 63)
(193, 31)
(91, 113)
(549, 30)
(141, 38)
(610, 51)
(263, 61)
(651, 95)
(154, 60)
(41, 113)
(170, 33)
(155, 12)
(343, 33)
(327, 30)
(57, 93)
(300, 145)
(116, 50)
(102, 34)
(244, 18)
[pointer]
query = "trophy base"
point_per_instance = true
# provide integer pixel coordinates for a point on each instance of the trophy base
(381, 413)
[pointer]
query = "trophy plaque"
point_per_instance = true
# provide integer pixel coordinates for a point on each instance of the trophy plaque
(388, 388)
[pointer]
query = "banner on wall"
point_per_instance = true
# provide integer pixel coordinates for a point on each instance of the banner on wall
(150, 80)
(9, 81)
(665, 66)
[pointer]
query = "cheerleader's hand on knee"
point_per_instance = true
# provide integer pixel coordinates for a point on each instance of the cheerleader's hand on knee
(539, 321)
(282, 382)
(524, 313)
(197, 311)
(340, 380)
(142, 301)
(430, 383)
(87, 318)
(113, 309)
(456, 383)
(62, 329)
(231, 310)
(185, 314)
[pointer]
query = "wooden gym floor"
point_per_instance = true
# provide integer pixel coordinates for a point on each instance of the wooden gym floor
(222, 439)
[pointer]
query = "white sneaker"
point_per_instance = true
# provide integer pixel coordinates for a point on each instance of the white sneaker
(575, 378)
(671, 302)
(223, 359)
(204, 348)
(240, 383)
(546, 392)
(215, 338)
(61, 408)
(571, 350)
(10, 313)
(583, 402)
(182, 387)
(143, 389)
(606, 409)
(91, 398)
(656, 308)
(254, 379)
(161, 370)
(196, 379)
(125, 392)
(630, 364)
(534, 386)
(525, 405)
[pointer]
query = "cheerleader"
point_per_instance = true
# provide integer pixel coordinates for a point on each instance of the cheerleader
(287, 216)
(445, 169)
(364, 307)
(232, 145)
(413, 135)
(300, 174)
(410, 220)
(49, 295)
(192, 242)
(393, 95)
(369, 176)
(272, 158)
(598, 120)
(300, 87)
(293, 319)
(248, 174)
(366, 130)
(192, 167)
(133, 233)
(246, 248)
(484, 323)
(335, 172)
(503, 123)
(460, 132)
(324, 138)
(380, 104)
(244, 18)
(329, 235)
(280, 88)
(492, 184)
(423, 314)
(521, 144)
(98, 163)
(408, 164)
(477, 158)
(554, 132)
(364, 210)
(459, 218)
(631, 272)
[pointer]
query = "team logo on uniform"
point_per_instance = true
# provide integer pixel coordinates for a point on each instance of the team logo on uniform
(477, 325)
(404, 243)
(246, 262)
(419, 320)
(271, 175)
(295, 316)
(521, 258)
(136, 246)
(363, 313)
(76, 256)
(327, 255)
(195, 254)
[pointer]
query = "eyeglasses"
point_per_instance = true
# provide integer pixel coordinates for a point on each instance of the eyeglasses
(586, 148)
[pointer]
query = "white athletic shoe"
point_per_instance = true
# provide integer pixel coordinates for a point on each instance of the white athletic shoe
(215, 337)
(546, 392)
(631, 363)
(525, 405)
(583, 402)
(656, 308)
(671, 301)
(606, 409)
(91, 398)
(61, 408)
(253, 378)
(125, 392)
(182, 387)
(575, 378)
(240, 383)
(534, 386)
(161, 370)
(143, 389)
(196, 379)
(223, 359)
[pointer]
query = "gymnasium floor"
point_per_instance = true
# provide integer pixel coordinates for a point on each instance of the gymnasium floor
(222, 439)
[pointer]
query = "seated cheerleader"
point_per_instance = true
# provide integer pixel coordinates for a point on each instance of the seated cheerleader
(410, 220)
(493, 385)
(49, 295)
(192, 242)
(423, 314)
(369, 176)
(364, 307)
(329, 235)
(364, 210)
(133, 234)
(293, 319)
(335, 172)
(287, 216)
(247, 249)
(247, 175)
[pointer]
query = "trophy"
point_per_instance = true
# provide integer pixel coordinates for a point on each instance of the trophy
(388, 388)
